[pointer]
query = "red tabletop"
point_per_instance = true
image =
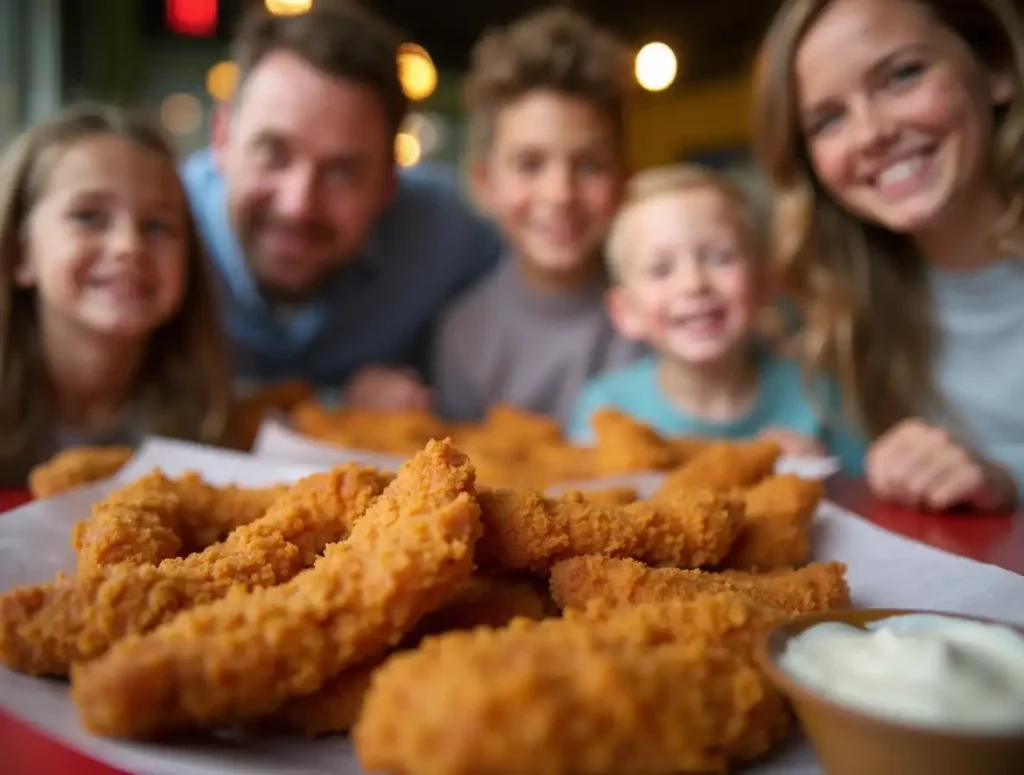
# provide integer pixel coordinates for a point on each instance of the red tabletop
(10, 499)
(997, 539)
(993, 538)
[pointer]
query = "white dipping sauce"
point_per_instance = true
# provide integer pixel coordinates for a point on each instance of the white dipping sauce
(923, 669)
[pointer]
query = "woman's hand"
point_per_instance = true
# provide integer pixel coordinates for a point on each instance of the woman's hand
(919, 465)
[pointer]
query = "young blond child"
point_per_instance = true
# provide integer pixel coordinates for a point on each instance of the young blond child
(689, 281)
(545, 101)
(107, 325)
(891, 132)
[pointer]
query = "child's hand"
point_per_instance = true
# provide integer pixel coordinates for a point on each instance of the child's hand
(388, 389)
(917, 464)
(794, 444)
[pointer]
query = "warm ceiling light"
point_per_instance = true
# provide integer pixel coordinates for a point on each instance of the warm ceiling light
(656, 66)
(416, 71)
(288, 7)
(407, 149)
(220, 80)
(181, 114)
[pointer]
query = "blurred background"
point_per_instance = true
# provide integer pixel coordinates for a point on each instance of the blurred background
(693, 59)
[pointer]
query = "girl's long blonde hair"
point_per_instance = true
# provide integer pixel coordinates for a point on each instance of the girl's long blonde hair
(184, 389)
(863, 290)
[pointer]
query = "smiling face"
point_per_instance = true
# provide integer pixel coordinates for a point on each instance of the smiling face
(552, 179)
(106, 242)
(686, 277)
(309, 165)
(896, 113)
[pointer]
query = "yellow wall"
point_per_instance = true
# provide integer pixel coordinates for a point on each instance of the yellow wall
(664, 126)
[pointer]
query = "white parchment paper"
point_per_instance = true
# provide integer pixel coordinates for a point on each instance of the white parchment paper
(278, 441)
(884, 570)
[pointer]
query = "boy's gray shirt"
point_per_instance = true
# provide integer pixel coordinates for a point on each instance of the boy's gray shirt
(505, 342)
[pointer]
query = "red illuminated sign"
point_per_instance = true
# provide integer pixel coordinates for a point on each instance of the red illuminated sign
(196, 18)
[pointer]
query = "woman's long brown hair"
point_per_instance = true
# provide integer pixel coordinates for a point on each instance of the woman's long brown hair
(863, 290)
(184, 389)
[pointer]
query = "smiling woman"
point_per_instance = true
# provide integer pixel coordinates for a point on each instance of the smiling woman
(893, 131)
(901, 122)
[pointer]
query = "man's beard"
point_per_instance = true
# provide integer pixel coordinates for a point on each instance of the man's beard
(317, 236)
(275, 293)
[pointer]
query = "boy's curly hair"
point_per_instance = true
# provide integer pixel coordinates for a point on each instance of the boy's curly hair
(556, 49)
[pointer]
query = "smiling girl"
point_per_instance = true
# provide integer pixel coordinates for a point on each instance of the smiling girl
(893, 131)
(107, 327)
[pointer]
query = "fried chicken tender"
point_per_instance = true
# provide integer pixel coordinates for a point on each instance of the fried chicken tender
(513, 447)
(156, 517)
(608, 496)
(483, 600)
(536, 465)
(578, 581)
(138, 524)
(499, 462)
(646, 690)
(688, 447)
(625, 445)
(395, 432)
(523, 530)
(519, 425)
(318, 510)
(75, 467)
(723, 466)
(775, 531)
(240, 658)
(45, 628)
(334, 708)
(557, 462)
(210, 512)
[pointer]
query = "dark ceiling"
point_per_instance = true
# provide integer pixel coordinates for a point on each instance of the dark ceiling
(714, 38)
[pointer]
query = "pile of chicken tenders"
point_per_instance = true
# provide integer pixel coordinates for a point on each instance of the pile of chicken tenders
(448, 624)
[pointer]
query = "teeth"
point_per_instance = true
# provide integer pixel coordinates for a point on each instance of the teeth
(126, 287)
(900, 171)
(696, 317)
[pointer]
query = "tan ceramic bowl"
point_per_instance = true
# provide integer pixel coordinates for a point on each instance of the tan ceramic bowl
(851, 742)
